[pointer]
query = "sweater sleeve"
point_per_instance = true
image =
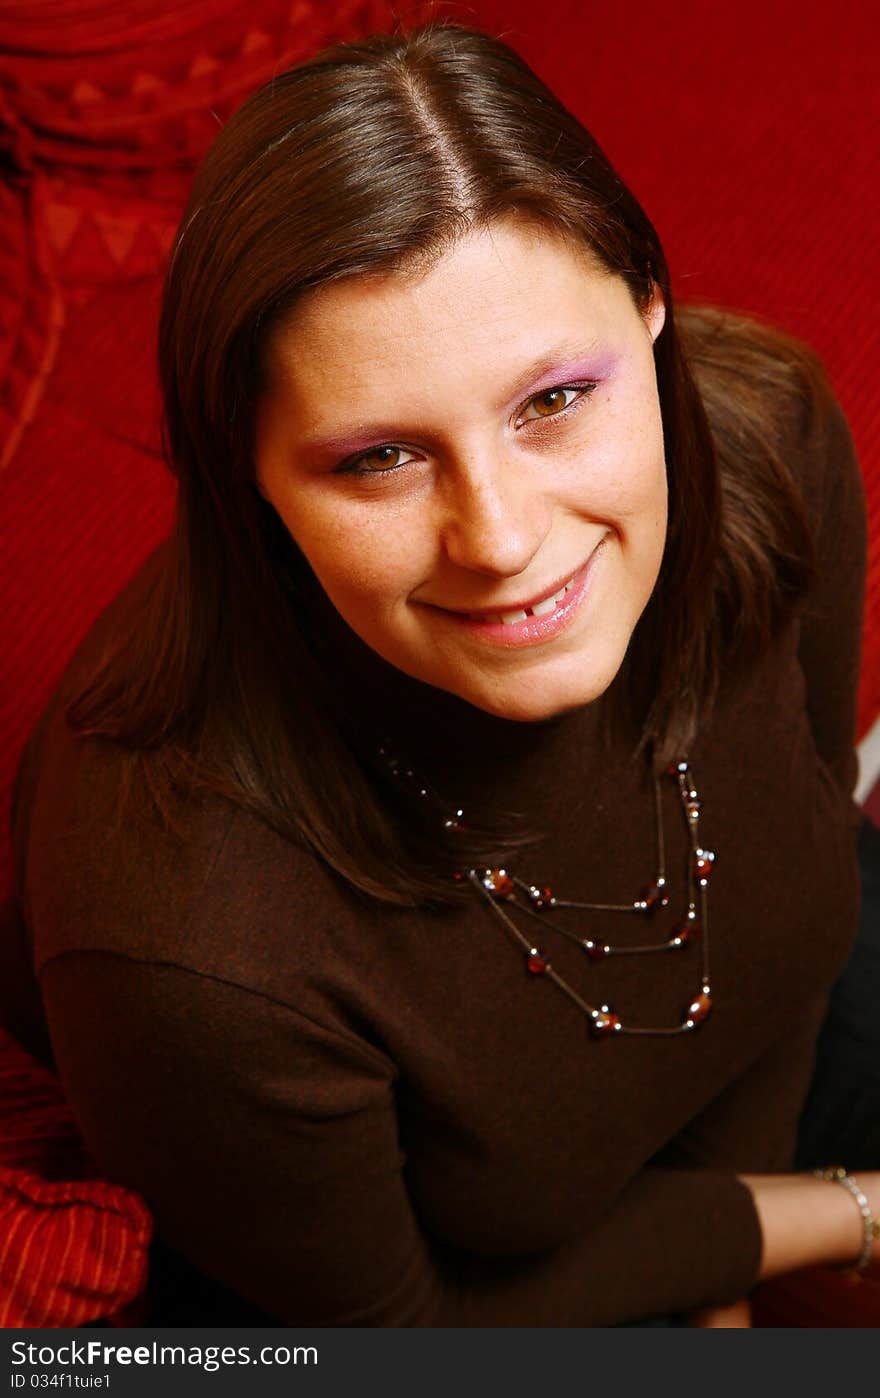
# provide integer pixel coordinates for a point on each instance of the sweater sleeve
(288, 1184)
(829, 650)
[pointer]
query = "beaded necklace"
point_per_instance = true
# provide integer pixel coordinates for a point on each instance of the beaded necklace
(506, 894)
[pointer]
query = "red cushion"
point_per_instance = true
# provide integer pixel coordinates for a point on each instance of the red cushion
(70, 1252)
(72, 1247)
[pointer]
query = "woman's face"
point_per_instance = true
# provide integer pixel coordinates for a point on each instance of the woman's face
(454, 448)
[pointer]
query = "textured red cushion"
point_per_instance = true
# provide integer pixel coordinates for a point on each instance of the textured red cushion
(72, 1247)
(70, 1252)
(142, 85)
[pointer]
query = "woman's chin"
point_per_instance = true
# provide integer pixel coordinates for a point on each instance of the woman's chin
(532, 705)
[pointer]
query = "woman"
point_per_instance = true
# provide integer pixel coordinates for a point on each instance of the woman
(498, 672)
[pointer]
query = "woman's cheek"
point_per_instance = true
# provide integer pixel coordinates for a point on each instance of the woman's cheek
(360, 574)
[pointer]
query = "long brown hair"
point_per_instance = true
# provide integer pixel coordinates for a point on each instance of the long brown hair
(367, 158)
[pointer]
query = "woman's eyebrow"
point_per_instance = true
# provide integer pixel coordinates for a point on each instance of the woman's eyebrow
(563, 364)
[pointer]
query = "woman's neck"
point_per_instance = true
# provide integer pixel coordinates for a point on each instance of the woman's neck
(473, 759)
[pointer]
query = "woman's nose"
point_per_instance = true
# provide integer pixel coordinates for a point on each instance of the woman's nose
(495, 518)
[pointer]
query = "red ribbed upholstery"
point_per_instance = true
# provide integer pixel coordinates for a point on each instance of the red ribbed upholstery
(72, 1247)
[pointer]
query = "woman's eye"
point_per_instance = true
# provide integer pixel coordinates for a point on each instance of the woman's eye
(378, 459)
(554, 401)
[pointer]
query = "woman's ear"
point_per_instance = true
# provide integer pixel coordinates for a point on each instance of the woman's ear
(655, 315)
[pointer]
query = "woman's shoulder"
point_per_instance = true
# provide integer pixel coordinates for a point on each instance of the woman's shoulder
(220, 894)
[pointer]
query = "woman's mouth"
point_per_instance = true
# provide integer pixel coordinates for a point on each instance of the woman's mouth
(542, 620)
(544, 608)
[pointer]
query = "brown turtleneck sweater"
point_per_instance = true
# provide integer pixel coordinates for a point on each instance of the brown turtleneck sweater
(354, 1116)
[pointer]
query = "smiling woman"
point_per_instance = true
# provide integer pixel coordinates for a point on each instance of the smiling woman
(510, 619)
(506, 481)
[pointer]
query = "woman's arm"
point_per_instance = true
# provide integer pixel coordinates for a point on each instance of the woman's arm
(268, 1147)
(796, 1220)
(807, 1221)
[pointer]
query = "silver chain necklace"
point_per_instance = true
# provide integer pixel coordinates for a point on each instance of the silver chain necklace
(506, 894)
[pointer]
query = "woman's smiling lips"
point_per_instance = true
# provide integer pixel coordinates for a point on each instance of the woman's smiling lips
(525, 624)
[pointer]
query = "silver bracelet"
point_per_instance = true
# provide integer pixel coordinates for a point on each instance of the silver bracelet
(836, 1174)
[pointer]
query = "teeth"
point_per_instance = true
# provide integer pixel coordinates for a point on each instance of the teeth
(545, 608)
(540, 609)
